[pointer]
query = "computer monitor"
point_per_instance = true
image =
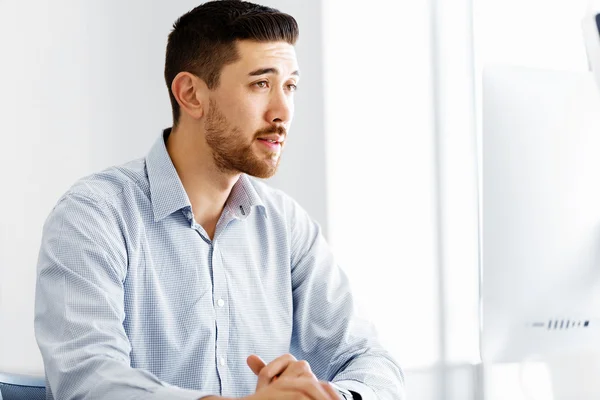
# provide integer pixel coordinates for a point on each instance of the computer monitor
(540, 214)
(591, 35)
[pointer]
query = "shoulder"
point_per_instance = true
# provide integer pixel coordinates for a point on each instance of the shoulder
(109, 185)
(103, 196)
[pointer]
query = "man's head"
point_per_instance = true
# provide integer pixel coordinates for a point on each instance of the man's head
(231, 71)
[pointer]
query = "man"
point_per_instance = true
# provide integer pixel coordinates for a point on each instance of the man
(175, 276)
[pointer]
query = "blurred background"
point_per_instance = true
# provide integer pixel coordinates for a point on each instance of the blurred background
(383, 152)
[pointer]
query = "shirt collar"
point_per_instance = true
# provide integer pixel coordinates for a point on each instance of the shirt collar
(244, 198)
(166, 190)
(168, 195)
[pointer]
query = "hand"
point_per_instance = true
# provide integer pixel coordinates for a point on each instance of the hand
(296, 388)
(285, 366)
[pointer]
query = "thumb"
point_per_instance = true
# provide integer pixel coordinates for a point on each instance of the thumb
(255, 363)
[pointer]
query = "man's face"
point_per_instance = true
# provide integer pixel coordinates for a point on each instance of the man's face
(251, 110)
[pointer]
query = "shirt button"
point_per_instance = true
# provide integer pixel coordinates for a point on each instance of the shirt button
(221, 302)
(222, 361)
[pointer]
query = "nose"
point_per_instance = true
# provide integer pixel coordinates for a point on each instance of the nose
(281, 108)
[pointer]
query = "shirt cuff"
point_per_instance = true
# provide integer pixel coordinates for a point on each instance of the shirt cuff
(176, 393)
(366, 393)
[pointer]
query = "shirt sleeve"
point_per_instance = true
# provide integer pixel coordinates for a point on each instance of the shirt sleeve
(79, 308)
(339, 346)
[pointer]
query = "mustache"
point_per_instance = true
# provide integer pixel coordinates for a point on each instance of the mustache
(280, 130)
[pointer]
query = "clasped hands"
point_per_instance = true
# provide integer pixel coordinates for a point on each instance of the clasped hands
(286, 378)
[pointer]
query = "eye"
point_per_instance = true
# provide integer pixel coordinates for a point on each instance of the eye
(292, 87)
(262, 84)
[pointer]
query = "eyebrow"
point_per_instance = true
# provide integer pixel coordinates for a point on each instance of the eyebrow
(272, 70)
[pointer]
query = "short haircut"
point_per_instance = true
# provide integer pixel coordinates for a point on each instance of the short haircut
(203, 40)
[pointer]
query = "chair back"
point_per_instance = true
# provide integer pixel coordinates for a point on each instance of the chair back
(21, 387)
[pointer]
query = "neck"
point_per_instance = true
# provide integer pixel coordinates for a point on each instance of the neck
(206, 186)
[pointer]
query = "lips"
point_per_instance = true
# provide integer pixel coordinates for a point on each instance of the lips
(271, 144)
(274, 138)
(274, 141)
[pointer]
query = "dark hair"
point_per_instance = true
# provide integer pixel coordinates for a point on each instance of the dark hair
(203, 40)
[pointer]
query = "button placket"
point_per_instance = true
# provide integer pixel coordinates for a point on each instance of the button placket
(221, 312)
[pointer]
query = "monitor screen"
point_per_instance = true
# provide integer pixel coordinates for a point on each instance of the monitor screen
(541, 214)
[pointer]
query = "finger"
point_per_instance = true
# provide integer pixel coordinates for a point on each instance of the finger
(275, 367)
(291, 394)
(333, 394)
(255, 363)
(309, 387)
(296, 369)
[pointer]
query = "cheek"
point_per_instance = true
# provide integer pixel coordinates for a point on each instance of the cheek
(250, 116)
(244, 112)
(292, 109)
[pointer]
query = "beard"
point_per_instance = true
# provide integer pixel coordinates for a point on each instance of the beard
(232, 153)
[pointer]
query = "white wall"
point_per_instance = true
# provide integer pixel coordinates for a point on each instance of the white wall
(83, 89)
(381, 169)
(402, 180)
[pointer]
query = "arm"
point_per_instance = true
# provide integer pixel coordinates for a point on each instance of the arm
(79, 308)
(340, 347)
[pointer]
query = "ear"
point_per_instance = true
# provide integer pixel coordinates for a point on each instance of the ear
(190, 92)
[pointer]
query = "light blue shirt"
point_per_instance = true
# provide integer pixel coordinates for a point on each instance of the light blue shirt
(134, 301)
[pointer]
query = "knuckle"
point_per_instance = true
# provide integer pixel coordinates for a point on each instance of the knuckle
(264, 373)
(309, 381)
(304, 365)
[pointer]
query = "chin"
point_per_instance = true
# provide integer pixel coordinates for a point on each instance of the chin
(263, 170)
(263, 173)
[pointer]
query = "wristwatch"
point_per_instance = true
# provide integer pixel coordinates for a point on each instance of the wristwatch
(345, 394)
